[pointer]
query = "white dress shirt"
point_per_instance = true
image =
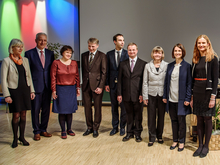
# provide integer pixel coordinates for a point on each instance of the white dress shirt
(135, 59)
(39, 53)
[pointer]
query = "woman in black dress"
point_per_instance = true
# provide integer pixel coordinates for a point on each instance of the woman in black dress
(205, 81)
(17, 88)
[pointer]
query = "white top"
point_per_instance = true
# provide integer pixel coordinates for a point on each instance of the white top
(174, 84)
(93, 54)
(39, 53)
(116, 54)
(135, 59)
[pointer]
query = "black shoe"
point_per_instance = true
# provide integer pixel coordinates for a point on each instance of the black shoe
(122, 132)
(204, 152)
(14, 143)
(180, 149)
(23, 141)
(173, 147)
(198, 151)
(150, 144)
(95, 134)
(160, 141)
(88, 131)
(113, 131)
(127, 137)
(138, 138)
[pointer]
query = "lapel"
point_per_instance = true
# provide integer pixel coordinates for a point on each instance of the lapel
(113, 58)
(153, 68)
(123, 55)
(136, 65)
(47, 57)
(13, 65)
(128, 66)
(37, 57)
(95, 59)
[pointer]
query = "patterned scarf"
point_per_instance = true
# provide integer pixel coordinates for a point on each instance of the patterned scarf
(19, 61)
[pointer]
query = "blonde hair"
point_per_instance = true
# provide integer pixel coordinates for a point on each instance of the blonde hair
(14, 42)
(210, 53)
(157, 49)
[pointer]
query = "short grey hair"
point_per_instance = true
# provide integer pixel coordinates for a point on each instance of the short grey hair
(14, 42)
(41, 33)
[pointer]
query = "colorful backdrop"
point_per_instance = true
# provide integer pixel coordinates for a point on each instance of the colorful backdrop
(24, 18)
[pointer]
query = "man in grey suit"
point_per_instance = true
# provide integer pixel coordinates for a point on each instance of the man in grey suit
(114, 57)
(130, 78)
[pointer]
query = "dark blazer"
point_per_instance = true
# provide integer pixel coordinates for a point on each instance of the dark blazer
(185, 84)
(212, 74)
(130, 84)
(112, 69)
(40, 75)
(96, 74)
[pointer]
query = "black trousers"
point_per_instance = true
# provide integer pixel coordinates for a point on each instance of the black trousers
(41, 109)
(134, 112)
(178, 123)
(155, 112)
(115, 112)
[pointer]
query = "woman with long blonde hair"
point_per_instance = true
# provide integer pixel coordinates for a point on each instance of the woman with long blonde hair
(205, 74)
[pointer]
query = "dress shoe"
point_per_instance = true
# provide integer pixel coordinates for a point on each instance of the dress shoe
(160, 141)
(181, 149)
(173, 147)
(63, 135)
(138, 138)
(88, 131)
(198, 151)
(122, 132)
(204, 152)
(71, 133)
(14, 143)
(45, 134)
(150, 144)
(95, 134)
(23, 141)
(113, 131)
(36, 137)
(127, 137)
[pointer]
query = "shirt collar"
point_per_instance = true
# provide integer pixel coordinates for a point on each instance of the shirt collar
(135, 59)
(39, 49)
(118, 51)
(93, 53)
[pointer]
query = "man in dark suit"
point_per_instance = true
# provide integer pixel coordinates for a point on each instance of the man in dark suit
(129, 90)
(114, 57)
(94, 65)
(40, 60)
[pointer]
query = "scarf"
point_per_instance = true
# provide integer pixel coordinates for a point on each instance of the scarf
(19, 61)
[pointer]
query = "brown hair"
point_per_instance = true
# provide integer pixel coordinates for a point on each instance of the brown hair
(93, 40)
(182, 48)
(210, 52)
(115, 36)
(131, 44)
(64, 48)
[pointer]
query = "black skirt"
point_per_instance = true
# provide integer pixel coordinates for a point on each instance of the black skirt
(201, 99)
(20, 96)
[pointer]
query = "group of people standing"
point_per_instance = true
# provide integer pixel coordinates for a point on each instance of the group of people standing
(176, 88)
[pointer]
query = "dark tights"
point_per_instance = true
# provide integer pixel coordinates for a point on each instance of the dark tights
(204, 128)
(16, 123)
(65, 118)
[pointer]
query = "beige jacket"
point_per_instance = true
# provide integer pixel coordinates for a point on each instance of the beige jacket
(9, 75)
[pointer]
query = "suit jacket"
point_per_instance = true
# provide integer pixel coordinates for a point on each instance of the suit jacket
(10, 76)
(130, 84)
(40, 75)
(153, 81)
(95, 76)
(185, 84)
(112, 68)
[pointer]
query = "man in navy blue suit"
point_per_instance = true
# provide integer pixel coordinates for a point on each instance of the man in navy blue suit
(114, 57)
(40, 60)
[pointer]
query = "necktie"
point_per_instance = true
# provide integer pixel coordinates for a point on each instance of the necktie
(42, 58)
(118, 58)
(132, 65)
(91, 59)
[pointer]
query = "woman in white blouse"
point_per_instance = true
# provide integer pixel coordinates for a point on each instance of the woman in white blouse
(153, 85)
(177, 94)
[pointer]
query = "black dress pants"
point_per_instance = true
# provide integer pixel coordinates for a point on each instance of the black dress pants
(155, 112)
(178, 123)
(115, 110)
(134, 112)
